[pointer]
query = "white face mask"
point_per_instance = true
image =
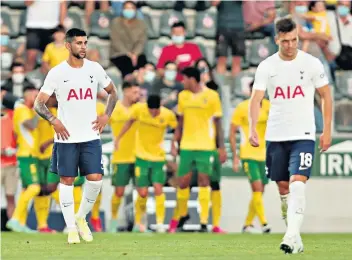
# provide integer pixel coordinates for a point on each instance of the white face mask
(18, 78)
(6, 60)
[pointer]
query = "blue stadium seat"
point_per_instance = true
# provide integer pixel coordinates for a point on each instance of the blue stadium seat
(167, 19)
(260, 50)
(206, 24)
(344, 83)
(23, 18)
(241, 84)
(160, 4)
(152, 34)
(6, 19)
(17, 4)
(100, 24)
(153, 49)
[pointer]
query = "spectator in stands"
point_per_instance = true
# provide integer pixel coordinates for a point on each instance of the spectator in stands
(9, 174)
(206, 74)
(7, 53)
(146, 76)
(55, 52)
(128, 36)
(344, 25)
(183, 54)
(90, 6)
(230, 34)
(42, 19)
(259, 16)
(167, 86)
(343, 116)
(18, 80)
(117, 7)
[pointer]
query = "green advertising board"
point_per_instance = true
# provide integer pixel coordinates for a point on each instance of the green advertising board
(336, 162)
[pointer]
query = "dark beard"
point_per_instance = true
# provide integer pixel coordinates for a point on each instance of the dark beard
(76, 55)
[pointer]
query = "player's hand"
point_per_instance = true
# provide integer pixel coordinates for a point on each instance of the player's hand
(253, 138)
(174, 149)
(236, 163)
(100, 123)
(60, 130)
(222, 155)
(325, 141)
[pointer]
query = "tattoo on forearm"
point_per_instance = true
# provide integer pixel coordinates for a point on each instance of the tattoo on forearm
(43, 111)
(219, 134)
(112, 99)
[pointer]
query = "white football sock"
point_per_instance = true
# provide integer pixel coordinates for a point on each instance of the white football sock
(90, 193)
(296, 207)
(67, 205)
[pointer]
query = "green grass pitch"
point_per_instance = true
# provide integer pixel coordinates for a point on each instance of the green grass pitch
(176, 246)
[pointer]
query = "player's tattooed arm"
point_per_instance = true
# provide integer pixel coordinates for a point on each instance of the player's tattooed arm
(41, 108)
(112, 99)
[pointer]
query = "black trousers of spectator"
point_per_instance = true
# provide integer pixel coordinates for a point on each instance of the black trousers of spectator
(124, 64)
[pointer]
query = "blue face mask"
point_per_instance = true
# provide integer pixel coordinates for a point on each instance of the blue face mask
(301, 9)
(343, 10)
(178, 39)
(129, 13)
(149, 76)
(4, 40)
(203, 70)
(170, 75)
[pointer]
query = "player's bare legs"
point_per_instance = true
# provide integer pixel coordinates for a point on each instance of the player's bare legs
(140, 209)
(160, 207)
(284, 191)
(91, 191)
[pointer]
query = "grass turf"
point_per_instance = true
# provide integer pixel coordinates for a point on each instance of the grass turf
(177, 246)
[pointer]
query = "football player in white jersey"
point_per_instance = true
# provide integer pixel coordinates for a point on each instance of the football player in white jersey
(291, 77)
(76, 83)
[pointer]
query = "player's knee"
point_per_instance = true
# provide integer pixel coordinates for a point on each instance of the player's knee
(94, 177)
(257, 186)
(67, 180)
(297, 177)
(51, 187)
(143, 193)
(203, 180)
(158, 189)
(283, 187)
(215, 185)
(120, 192)
(183, 182)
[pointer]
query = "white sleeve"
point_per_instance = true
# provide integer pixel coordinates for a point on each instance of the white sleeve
(103, 78)
(261, 77)
(319, 76)
(50, 84)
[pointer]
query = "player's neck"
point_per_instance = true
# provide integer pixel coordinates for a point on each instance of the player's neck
(27, 103)
(198, 89)
(74, 62)
(286, 58)
(126, 103)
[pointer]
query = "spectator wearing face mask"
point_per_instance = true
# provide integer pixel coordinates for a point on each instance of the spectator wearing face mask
(18, 81)
(7, 53)
(146, 76)
(128, 36)
(183, 54)
(206, 74)
(117, 7)
(168, 87)
(55, 52)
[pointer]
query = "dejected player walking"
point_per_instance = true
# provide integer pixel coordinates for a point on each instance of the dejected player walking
(291, 77)
(76, 83)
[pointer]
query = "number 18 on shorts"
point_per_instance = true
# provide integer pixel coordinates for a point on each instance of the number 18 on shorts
(287, 158)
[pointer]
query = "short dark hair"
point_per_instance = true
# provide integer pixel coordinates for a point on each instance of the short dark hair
(192, 72)
(129, 83)
(154, 101)
(74, 32)
(285, 25)
(169, 62)
(28, 88)
(60, 28)
(178, 24)
(16, 64)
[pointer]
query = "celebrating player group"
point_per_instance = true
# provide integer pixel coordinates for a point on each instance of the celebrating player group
(278, 140)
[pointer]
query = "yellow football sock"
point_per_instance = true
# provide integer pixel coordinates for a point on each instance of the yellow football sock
(26, 196)
(77, 197)
(216, 203)
(176, 215)
(96, 207)
(259, 206)
(140, 209)
(41, 208)
(115, 205)
(160, 208)
(251, 213)
(182, 200)
(55, 195)
(204, 200)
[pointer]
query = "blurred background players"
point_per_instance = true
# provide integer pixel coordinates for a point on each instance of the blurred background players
(197, 108)
(253, 160)
(25, 122)
(123, 159)
(152, 122)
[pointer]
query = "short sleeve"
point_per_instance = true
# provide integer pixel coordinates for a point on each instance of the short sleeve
(180, 109)
(319, 76)
(172, 120)
(103, 78)
(261, 77)
(50, 84)
(135, 111)
(237, 116)
(217, 106)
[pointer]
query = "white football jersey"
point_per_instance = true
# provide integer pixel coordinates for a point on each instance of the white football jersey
(76, 92)
(291, 87)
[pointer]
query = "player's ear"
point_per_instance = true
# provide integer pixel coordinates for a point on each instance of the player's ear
(68, 45)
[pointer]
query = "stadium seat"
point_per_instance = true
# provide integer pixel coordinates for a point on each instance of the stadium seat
(6, 19)
(344, 83)
(160, 4)
(103, 46)
(22, 29)
(6, 65)
(241, 84)
(153, 50)
(254, 35)
(207, 48)
(73, 19)
(206, 24)
(18, 4)
(260, 50)
(167, 19)
(36, 77)
(100, 24)
(343, 116)
(152, 34)
(190, 4)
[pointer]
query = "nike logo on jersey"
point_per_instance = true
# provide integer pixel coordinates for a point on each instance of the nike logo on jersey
(273, 76)
(67, 204)
(65, 81)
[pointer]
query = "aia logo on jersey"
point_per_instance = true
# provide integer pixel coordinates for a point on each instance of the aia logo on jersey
(80, 94)
(289, 92)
